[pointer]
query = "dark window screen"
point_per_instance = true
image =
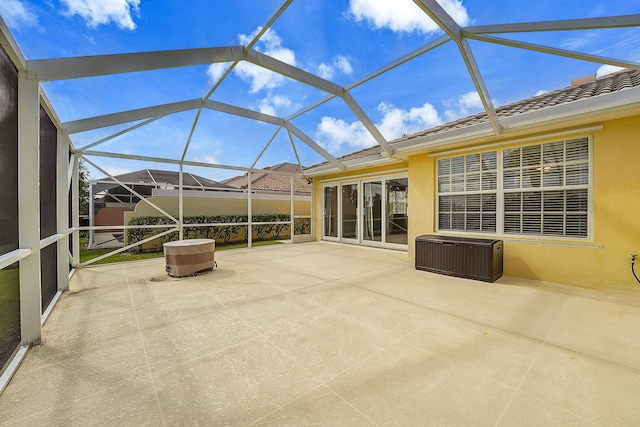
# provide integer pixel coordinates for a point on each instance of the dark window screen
(8, 154)
(10, 276)
(48, 138)
(48, 225)
(49, 273)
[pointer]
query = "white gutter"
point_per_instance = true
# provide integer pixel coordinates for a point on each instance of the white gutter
(365, 162)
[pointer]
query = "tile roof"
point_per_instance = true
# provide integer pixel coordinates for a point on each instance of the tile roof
(154, 176)
(611, 83)
(615, 82)
(272, 182)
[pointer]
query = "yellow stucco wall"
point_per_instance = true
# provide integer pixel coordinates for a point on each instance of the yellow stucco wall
(604, 261)
(421, 198)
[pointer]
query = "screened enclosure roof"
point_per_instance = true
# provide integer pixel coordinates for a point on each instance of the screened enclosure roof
(241, 85)
(159, 178)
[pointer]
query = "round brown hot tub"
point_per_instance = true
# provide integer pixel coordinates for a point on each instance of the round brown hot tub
(188, 257)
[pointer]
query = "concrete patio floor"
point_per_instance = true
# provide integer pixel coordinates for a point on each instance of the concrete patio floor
(325, 334)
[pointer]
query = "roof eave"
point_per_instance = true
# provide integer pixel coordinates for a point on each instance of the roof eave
(580, 109)
(364, 162)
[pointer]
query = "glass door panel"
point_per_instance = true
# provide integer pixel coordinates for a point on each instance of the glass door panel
(372, 211)
(350, 211)
(397, 211)
(330, 204)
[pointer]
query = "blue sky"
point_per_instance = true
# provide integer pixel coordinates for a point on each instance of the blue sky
(339, 40)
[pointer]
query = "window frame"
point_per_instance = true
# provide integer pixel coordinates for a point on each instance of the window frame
(501, 191)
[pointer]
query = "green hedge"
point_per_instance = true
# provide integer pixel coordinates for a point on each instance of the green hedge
(223, 234)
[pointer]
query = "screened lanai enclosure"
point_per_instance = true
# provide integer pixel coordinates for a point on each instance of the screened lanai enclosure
(54, 116)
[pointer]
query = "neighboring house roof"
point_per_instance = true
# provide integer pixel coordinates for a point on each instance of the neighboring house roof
(159, 178)
(271, 181)
(545, 103)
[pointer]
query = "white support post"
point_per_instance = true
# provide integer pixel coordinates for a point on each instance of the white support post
(75, 209)
(29, 206)
(313, 212)
(250, 214)
(91, 211)
(181, 203)
(293, 210)
(62, 210)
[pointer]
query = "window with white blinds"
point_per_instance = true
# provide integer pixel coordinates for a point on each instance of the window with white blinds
(538, 190)
(546, 189)
(467, 188)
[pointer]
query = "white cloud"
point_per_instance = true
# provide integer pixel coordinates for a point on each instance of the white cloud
(396, 122)
(606, 69)
(215, 71)
(98, 12)
(334, 133)
(275, 105)
(339, 64)
(260, 78)
(404, 16)
(581, 41)
(114, 170)
(541, 92)
(469, 103)
(212, 158)
(16, 14)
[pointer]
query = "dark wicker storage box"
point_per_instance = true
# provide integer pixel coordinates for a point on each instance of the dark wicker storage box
(479, 259)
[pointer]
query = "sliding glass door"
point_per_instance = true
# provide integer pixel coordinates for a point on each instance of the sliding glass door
(372, 211)
(330, 208)
(397, 212)
(349, 231)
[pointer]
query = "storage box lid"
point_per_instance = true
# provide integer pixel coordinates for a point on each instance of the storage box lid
(457, 239)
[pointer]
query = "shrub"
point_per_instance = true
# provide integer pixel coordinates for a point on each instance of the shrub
(223, 234)
(302, 226)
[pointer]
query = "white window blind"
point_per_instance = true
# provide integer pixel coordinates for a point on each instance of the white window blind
(467, 187)
(544, 191)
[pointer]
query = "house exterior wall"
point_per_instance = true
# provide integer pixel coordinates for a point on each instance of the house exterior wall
(110, 216)
(600, 262)
(422, 198)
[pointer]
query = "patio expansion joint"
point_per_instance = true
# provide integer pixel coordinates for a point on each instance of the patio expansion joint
(518, 390)
(321, 383)
(524, 377)
(302, 396)
(400, 339)
(485, 325)
(146, 355)
(48, 406)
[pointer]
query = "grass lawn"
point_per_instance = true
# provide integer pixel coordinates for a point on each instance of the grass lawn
(9, 311)
(87, 254)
